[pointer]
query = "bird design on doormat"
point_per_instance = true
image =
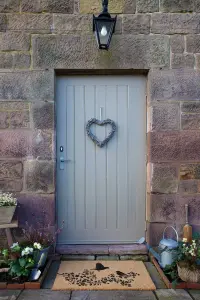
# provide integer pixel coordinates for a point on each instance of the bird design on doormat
(88, 277)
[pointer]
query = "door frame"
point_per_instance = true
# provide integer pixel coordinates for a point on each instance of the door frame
(100, 73)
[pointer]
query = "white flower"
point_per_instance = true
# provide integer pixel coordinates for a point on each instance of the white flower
(37, 246)
(27, 251)
(14, 245)
(184, 240)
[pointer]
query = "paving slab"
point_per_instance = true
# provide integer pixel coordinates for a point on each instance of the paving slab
(112, 295)
(9, 294)
(51, 275)
(172, 294)
(195, 294)
(44, 295)
(155, 276)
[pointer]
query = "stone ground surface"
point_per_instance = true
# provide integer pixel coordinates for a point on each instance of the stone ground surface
(46, 294)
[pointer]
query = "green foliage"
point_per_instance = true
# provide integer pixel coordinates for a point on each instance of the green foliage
(21, 267)
(172, 272)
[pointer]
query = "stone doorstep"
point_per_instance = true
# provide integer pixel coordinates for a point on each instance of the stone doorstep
(108, 250)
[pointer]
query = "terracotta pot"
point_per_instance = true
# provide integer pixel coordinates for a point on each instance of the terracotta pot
(6, 214)
(188, 275)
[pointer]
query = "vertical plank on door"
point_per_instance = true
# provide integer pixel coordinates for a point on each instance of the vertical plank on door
(101, 161)
(70, 217)
(122, 157)
(137, 159)
(111, 113)
(90, 161)
(80, 156)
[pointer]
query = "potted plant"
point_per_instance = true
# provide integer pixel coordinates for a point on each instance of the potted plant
(8, 205)
(41, 239)
(188, 261)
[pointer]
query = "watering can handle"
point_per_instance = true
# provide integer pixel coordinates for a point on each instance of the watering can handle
(173, 229)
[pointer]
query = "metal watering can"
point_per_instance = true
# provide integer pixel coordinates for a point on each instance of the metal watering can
(167, 252)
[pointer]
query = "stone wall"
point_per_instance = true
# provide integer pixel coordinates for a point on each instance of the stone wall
(158, 36)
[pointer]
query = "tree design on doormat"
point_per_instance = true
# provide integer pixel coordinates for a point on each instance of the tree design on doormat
(88, 278)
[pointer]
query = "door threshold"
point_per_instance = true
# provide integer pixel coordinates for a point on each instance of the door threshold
(109, 250)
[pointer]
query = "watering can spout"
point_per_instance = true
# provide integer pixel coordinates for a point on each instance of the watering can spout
(154, 253)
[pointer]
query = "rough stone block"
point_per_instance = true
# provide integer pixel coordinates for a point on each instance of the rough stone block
(24, 85)
(80, 52)
(6, 60)
(190, 107)
(177, 43)
(78, 257)
(164, 146)
(9, 6)
(155, 232)
(82, 249)
(189, 171)
(10, 169)
(177, 5)
(43, 115)
(188, 187)
(190, 146)
(182, 61)
(129, 7)
(181, 85)
(107, 257)
(144, 6)
(161, 208)
(163, 178)
(30, 22)
(42, 144)
(73, 23)
(4, 119)
(36, 209)
(3, 22)
(14, 41)
(52, 6)
(136, 24)
(193, 202)
(190, 121)
(21, 61)
(134, 257)
(165, 117)
(127, 249)
(19, 119)
(193, 43)
(10, 106)
(197, 61)
(14, 143)
(95, 7)
(7, 185)
(175, 23)
(39, 176)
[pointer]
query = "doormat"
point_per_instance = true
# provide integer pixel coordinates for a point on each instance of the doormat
(103, 275)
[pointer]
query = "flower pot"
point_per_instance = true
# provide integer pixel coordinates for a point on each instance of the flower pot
(40, 257)
(6, 214)
(188, 275)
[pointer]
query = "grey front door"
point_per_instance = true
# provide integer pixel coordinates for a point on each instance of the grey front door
(101, 191)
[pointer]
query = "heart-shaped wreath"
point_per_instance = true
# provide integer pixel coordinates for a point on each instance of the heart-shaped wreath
(100, 123)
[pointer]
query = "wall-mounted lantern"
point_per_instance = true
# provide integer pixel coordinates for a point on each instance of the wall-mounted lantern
(104, 27)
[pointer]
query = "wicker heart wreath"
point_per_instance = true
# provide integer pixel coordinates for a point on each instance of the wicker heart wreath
(93, 137)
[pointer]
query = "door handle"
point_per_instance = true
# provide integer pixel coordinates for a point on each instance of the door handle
(62, 162)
